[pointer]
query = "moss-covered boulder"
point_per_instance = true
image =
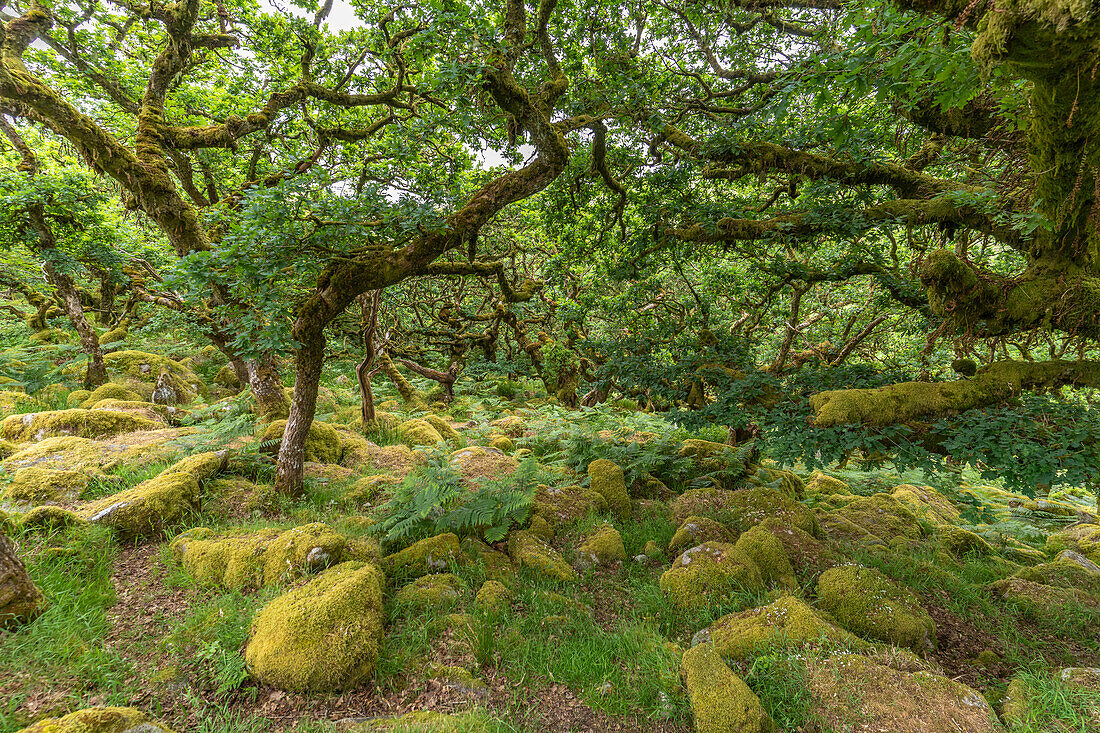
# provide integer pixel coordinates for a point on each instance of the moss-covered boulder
(1083, 538)
(781, 479)
(739, 510)
(512, 426)
(417, 433)
(697, 530)
(40, 485)
(72, 453)
(141, 371)
(769, 554)
(721, 702)
(493, 596)
(323, 443)
(927, 504)
(1040, 601)
(49, 519)
(11, 400)
(962, 542)
(111, 391)
(531, 551)
(478, 463)
(497, 565)
(1067, 571)
(607, 479)
(604, 546)
(99, 720)
(427, 721)
(146, 509)
(866, 602)
(821, 484)
(880, 693)
(808, 555)
(709, 573)
(787, 623)
(429, 555)
(431, 591)
(502, 443)
(252, 559)
(35, 426)
(563, 506)
(323, 636)
(227, 377)
(445, 429)
(875, 519)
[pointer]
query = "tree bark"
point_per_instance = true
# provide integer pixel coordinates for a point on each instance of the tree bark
(267, 388)
(20, 600)
(310, 359)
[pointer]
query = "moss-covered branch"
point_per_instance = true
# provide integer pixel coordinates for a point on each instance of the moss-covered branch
(911, 401)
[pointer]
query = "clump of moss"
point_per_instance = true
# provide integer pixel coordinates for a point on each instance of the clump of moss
(98, 720)
(604, 546)
(696, 530)
(431, 591)
(708, 573)
(567, 505)
(82, 423)
(532, 551)
(323, 636)
(421, 558)
(788, 622)
(769, 554)
(720, 700)
(40, 485)
(111, 391)
(256, 559)
(416, 433)
(607, 479)
(10, 400)
(865, 601)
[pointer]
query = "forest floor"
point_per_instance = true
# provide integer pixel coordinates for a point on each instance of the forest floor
(846, 601)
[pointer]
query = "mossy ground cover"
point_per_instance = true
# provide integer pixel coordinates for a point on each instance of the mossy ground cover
(127, 625)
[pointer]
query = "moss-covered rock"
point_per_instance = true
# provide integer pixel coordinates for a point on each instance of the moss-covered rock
(709, 573)
(421, 558)
(99, 720)
(478, 463)
(1041, 601)
(370, 488)
(875, 519)
(721, 702)
(323, 636)
(567, 505)
(866, 602)
(445, 429)
(1083, 538)
(739, 510)
(11, 400)
(493, 596)
(416, 433)
(808, 555)
(512, 426)
(532, 551)
(158, 413)
(769, 554)
(146, 509)
(503, 443)
(252, 559)
(432, 722)
(604, 546)
(111, 391)
(820, 484)
(781, 479)
(607, 479)
(927, 504)
(39, 485)
(227, 377)
(1065, 572)
(434, 590)
(787, 623)
(202, 466)
(697, 530)
(323, 443)
(71, 453)
(50, 518)
(147, 369)
(962, 542)
(497, 565)
(35, 426)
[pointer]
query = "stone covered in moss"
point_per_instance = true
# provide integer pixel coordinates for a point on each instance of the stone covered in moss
(531, 551)
(82, 423)
(876, 519)
(478, 464)
(445, 429)
(323, 636)
(696, 530)
(739, 510)
(146, 509)
(962, 542)
(1065, 572)
(50, 518)
(146, 368)
(512, 426)
(322, 445)
(431, 591)
(1042, 601)
(71, 453)
(99, 720)
(110, 391)
(502, 442)
(769, 554)
(708, 573)
(426, 721)
(604, 546)
(11, 400)
(421, 558)
(721, 702)
(1083, 538)
(255, 559)
(493, 596)
(820, 484)
(7, 448)
(781, 479)
(416, 433)
(607, 479)
(496, 563)
(788, 622)
(40, 485)
(865, 601)
(927, 504)
(567, 505)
